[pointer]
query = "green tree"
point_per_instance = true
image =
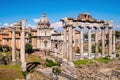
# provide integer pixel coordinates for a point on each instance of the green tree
(77, 50)
(117, 34)
(30, 37)
(93, 35)
(28, 48)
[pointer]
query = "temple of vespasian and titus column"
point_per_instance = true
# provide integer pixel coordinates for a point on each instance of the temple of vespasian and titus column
(110, 39)
(21, 24)
(13, 46)
(85, 20)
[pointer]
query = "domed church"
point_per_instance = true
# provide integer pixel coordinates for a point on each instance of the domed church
(44, 32)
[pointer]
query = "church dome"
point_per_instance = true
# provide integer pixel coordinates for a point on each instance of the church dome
(44, 22)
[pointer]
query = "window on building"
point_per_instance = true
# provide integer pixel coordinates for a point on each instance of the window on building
(7, 40)
(45, 43)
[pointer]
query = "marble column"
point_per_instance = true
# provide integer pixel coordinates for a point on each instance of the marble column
(103, 41)
(13, 46)
(74, 42)
(70, 47)
(110, 42)
(23, 45)
(89, 42)
(96, 42)
(65, 43)
(114, 42)
(81, 43)
(74, 36)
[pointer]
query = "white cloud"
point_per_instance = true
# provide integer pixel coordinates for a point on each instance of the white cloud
(56, 25)
(31, 25)
(36, 20)
(11, 24)
(5, 24)
(116, 27)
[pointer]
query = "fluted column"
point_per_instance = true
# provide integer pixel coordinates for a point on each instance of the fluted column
(70, 47)
(81, 43)
(13, 46)
(103, 40)
(65, 42)
(23, 45)
(110, 42)
(89, 42)
(96, 41)
(114, 42)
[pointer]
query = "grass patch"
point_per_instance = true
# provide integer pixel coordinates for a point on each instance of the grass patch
(32, 58)
(50, 63)
(80, 62)
(4, 54)
(10, 72)
(118, 68)
(103, 60)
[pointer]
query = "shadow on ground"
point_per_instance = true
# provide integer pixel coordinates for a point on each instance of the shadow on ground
(32, 65)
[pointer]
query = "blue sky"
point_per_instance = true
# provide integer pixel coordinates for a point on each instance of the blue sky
(14, 10)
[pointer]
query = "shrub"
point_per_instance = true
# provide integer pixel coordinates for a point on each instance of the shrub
(50, 63)
(117, 55)
(56, 70)
(77, 50)
(28, 48)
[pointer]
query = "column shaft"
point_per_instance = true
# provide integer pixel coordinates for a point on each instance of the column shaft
(81, 44)
(13, 45)
(70, 47)
(103, 42)
(110, 42)
(114, 42)
(89, 43)
(65, 43)
(23, 48)
(74, 42)
(96, 42)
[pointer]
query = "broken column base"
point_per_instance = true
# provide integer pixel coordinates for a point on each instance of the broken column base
(23, 65)
(69, 69)
(13, 62)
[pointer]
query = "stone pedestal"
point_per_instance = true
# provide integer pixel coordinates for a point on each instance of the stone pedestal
(68, 68)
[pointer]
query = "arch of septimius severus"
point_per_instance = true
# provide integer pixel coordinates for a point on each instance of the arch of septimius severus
(82, 21)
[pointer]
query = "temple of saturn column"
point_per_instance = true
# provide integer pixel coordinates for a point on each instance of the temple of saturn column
(20, 25)
(82, 21)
